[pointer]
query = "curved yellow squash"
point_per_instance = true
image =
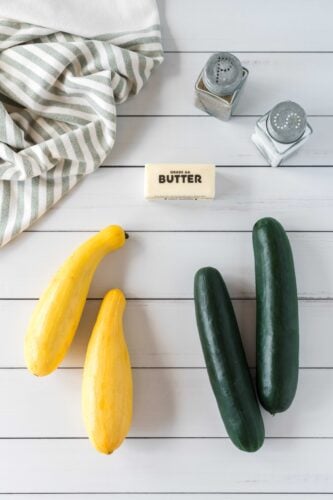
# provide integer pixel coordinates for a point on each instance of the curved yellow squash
(58, 311)
(107, 391)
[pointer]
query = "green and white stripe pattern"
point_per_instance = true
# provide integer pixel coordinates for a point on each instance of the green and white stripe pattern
(58, 96)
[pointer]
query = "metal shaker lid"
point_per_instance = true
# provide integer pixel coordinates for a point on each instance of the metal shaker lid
(286, 122)
(222, 74)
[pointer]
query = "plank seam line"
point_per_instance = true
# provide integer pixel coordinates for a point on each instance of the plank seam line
(164, 438)
(167, 493)
(229, 166)
(162, 368)
(249, 51)
(169, 299)
(177, 231)
(201, 115)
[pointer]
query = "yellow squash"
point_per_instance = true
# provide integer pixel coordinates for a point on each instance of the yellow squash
(107, 391)
(58, 312)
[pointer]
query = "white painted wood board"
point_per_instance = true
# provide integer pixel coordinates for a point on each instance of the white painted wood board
(158, 338)
(301, 25)
(162, 264)
(167, 465)
(168, 403)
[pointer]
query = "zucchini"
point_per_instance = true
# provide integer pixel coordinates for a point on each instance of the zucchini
(226, 362)
(277, 316)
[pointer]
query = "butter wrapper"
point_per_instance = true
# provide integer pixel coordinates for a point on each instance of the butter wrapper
(179, 181)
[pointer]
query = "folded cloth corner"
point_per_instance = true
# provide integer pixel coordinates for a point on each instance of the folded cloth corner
(60, 82)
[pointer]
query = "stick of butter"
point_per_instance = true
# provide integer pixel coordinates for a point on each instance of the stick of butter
(179, 181)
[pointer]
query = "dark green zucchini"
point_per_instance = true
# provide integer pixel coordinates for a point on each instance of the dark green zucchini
(277, 316)
(226, 362)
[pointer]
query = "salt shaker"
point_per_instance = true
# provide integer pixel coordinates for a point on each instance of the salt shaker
(219, 85)
(281, 131)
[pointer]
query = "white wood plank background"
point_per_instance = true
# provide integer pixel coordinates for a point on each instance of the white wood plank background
(157, 338)
(164, 399)
(167, 465)
(162, 264)
(175, 449)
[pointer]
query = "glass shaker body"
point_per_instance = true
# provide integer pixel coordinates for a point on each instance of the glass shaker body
(219, 85)
(281, 131)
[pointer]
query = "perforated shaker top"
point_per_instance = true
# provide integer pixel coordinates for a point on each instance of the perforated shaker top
(286, 122)
(222, 74)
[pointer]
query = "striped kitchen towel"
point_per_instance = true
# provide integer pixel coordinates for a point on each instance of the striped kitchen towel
(63, 69)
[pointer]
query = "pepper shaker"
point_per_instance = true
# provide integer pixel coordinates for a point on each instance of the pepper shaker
(219, 85)
(281, 131)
